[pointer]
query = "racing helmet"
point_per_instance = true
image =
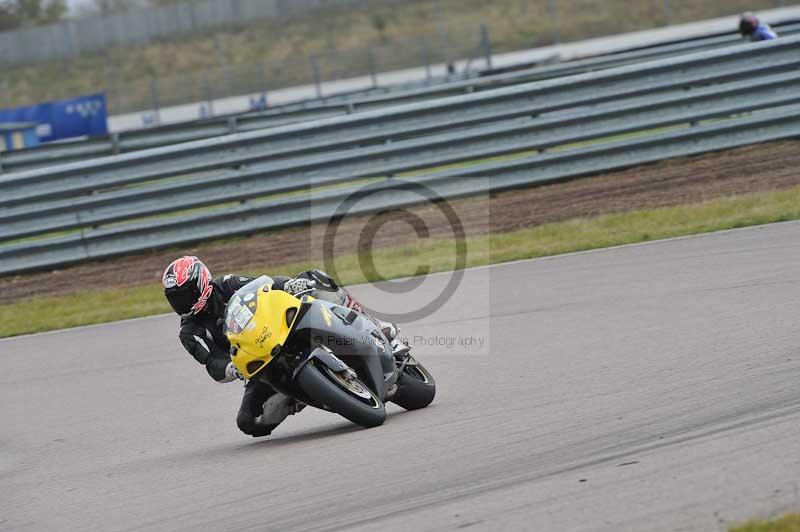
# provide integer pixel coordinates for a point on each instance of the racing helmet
(748, 23)
(187, 285)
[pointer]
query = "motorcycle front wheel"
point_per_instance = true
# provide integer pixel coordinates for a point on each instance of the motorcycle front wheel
(348, 397)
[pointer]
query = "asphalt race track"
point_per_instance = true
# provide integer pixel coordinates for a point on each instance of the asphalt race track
(650, 387)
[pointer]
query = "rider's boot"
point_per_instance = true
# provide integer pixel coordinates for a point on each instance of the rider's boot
(392, 333)
(263, 409)
(279, 407)
(389, 330)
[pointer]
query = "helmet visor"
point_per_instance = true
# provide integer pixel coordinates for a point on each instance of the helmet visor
(182, 298)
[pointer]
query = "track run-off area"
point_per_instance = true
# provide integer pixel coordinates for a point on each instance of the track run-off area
(647, 387)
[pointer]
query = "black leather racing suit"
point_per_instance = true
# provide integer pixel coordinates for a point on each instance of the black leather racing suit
(202, 334)
(203, 337)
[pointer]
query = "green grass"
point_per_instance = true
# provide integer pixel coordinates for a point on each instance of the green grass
(397, 30)
(787, 523)
(42, 314)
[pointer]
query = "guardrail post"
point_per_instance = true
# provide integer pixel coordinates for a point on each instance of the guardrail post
(115, 148)
(552, 11)
(209, 95)
(427, 52)
(444, 33)
(314, 60)
(262, 78)
(154, 100)
(6, 99)
(123, 104)
(372, 74)
(226, 78)
(233, 124)
(486, 45)
(84, 244)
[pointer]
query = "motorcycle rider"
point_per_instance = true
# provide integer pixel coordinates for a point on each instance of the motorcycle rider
(201, 300)
(750, 26)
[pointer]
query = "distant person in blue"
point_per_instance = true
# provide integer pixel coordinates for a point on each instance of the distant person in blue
(750, 26)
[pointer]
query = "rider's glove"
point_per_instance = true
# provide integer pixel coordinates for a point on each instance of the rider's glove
(296, 286)
(232, 374)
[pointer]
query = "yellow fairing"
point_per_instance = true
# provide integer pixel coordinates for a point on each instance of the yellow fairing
(268, 328)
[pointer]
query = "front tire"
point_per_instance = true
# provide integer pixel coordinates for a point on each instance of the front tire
(351, 400)
(416, 387)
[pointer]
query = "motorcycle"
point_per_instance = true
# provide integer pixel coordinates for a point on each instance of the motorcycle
(322, 354)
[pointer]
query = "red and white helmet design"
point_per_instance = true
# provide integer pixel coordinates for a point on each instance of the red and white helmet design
(187, 285)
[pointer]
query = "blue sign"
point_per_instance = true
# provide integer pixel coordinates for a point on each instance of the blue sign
(77, 117)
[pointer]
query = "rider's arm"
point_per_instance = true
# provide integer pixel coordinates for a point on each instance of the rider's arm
(229, 284)
(205, 351)
(283, 282)
(304, 280)
(322, 279)
(197, 340)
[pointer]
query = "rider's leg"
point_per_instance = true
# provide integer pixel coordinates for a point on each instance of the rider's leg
(390, 330)
(255, 394)
(340, 296)
(263, 409)
(277, 408)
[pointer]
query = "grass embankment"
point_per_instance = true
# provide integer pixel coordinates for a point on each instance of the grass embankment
(788, 523)
(398, 30)
(42, 314)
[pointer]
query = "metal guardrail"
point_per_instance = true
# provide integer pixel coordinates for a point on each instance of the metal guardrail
(597, 107)
(241, 152)
(508, 137)
(396, 193)
(345, 104)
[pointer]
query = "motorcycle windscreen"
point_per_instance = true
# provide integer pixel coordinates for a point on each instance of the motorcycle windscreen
(257, 326)
(242, 306)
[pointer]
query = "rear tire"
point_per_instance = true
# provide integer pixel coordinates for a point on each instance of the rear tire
(322, 385)
(416, 387)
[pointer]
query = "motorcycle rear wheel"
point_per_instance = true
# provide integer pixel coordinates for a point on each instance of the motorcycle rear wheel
(416, 387)
(352, 400)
